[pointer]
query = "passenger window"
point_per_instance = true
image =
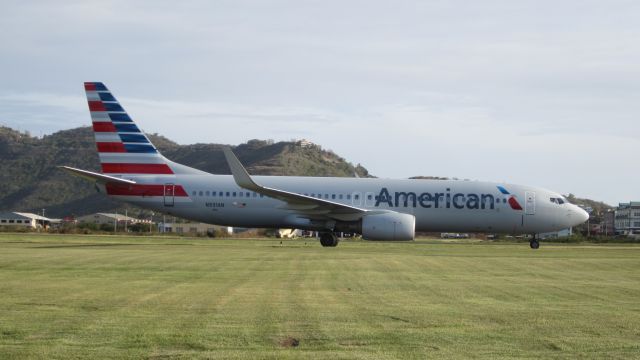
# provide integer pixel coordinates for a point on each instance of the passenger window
(255, 194)
(193, 193)
(207, 193)
(200, 193)
(213, 193)
(369, 197)
(348, 196)
(333, 196)
(356, 197)
(248, 194)
(340, 196)
(234, 194)
(326, 196)
(228, 194)
(241, 194)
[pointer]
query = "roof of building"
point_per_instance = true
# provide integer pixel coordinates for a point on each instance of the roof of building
(118, 217)
(631, 204)
(23, 216)
(33, 216)
(12, 215)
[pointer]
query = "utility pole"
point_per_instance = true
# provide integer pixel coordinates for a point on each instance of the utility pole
(126, 220)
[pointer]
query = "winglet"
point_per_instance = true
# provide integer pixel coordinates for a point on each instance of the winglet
(240, 174)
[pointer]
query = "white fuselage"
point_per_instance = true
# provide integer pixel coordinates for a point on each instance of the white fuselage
(438, 205)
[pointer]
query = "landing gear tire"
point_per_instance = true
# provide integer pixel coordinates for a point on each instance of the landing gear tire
(328, 239)
(534, 244)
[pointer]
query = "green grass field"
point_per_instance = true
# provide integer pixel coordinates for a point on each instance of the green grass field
(140, 297)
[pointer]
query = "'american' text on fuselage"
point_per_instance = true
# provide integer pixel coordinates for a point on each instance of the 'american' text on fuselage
(436, 200)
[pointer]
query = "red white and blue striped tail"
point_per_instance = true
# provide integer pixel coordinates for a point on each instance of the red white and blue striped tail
(122, 147)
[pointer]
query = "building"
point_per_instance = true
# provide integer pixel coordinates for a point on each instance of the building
(304, 143)
(192, 228)
(627, 218)
(26, 220)
(109, 218)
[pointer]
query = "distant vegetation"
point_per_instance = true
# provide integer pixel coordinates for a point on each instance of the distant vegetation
(31, 181)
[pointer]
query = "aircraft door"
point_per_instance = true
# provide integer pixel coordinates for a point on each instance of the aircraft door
(169, 194)
(530, 203)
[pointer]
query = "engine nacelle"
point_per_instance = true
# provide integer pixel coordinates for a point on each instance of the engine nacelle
(389, 226)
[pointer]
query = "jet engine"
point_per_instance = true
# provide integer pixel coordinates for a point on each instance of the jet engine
(389, 226)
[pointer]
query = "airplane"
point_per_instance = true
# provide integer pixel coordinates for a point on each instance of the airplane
(134, 171)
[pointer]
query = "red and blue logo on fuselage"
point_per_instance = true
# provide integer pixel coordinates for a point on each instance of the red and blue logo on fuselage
(515, 205)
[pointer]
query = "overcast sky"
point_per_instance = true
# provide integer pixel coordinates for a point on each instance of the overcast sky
(544, 93)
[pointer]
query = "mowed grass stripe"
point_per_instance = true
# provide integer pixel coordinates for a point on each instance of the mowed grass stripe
(115, 297)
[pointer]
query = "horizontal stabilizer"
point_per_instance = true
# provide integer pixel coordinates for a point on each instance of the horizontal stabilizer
(90, 175)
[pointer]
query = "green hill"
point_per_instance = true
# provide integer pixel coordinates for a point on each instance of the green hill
(31, 181)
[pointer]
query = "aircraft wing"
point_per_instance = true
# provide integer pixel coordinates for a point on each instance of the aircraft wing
(94, 176)
(302, 203)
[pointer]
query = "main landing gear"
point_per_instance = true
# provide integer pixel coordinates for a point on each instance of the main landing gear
(534, 243)
(328, 239)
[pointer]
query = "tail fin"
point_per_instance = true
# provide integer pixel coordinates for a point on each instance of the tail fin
(122, 147)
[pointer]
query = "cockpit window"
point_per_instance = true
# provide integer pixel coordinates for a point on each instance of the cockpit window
(558, 201)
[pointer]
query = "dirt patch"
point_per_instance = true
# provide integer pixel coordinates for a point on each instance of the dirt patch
(289, 342)
(553, 346)
(398, 319)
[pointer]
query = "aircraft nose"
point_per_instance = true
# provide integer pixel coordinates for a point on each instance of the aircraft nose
(583, 215)
(579, 215)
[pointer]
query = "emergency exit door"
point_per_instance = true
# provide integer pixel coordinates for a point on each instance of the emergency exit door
(169, 194)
